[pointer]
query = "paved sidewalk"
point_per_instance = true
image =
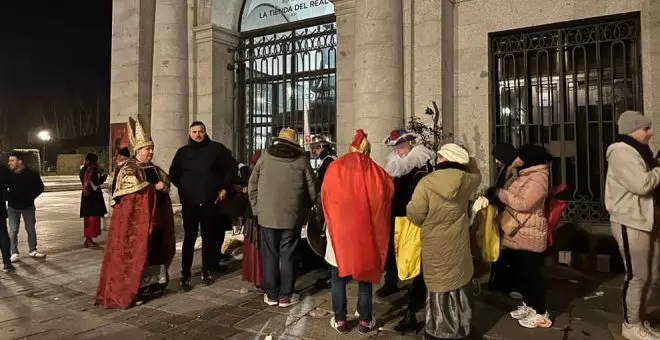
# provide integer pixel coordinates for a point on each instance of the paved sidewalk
(53, 299)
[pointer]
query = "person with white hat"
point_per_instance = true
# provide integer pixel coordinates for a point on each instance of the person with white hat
(439, 205)
(632, 179)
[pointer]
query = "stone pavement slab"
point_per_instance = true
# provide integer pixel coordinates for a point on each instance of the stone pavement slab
(53, 299)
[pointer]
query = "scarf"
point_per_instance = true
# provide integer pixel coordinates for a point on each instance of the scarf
(643, 149)
(450, 165)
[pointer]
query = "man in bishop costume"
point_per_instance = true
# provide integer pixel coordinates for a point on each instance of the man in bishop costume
(141, 243)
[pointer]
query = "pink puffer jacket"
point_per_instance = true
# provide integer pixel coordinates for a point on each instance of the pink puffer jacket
(526, 198)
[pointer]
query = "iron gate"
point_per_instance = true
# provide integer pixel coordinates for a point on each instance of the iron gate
(564, 88)
(285, 78)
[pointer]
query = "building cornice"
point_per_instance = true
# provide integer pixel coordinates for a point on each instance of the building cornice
(217, 34)
(344, 7)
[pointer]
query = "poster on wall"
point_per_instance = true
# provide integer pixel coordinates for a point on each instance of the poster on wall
(266, 13)
(118, 140)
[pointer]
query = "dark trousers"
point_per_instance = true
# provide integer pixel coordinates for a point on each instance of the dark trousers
(417, 294)
(528, 269)
(364, 306)
(278, 248)
(4, 242)
(196, 217)
(502, 278)
(391, 270)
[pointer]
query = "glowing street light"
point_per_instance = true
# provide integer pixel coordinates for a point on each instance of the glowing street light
(45, 137)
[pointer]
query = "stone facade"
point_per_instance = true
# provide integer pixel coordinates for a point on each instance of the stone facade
(394, 58)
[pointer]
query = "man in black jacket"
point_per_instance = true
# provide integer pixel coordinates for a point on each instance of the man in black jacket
(204, 171)
(25, 186)
(4, 235)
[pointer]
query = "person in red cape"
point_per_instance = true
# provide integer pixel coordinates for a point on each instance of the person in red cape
(357, 200)
(140, 244)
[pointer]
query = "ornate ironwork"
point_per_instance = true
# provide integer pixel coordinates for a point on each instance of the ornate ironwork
(283, 77)
(564, 88)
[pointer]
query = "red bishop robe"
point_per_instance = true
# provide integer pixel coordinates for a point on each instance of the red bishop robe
(357, 203)
(140, 213)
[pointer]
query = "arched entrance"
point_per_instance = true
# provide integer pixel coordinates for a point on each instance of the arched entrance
(285, 67)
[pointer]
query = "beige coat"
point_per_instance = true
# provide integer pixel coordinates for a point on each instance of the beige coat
(629, 188)
(439, 206)
(525, 199)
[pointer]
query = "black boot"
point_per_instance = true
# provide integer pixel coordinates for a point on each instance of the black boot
(207, 277)
(386, 290)
(408, 323)
(184, 284)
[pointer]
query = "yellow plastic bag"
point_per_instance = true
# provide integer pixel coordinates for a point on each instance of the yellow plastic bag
(488, 233)
(407, 248)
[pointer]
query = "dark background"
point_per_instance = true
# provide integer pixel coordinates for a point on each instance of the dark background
(55, 72)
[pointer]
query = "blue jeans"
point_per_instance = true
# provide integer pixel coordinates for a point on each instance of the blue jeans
(338, 289)
(30, 220)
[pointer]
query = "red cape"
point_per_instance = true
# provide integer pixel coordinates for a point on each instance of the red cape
(126, 251)
(357, 203)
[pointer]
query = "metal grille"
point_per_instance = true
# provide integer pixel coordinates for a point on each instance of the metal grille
(564, 88)
(286, 79)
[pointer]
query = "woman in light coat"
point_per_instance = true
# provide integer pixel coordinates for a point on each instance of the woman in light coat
(524, 200)
(439, 205)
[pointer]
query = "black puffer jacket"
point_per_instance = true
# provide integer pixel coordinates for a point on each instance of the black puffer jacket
(201, 169)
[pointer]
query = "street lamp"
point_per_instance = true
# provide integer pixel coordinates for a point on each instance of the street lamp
(45, 137)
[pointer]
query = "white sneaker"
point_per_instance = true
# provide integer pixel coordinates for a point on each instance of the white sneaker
(654, 331)
(522, 312)
(37, 255)
(536, 321)
(636, 332)
(14, 257)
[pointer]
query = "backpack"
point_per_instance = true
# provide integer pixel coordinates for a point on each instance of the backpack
(554, 209)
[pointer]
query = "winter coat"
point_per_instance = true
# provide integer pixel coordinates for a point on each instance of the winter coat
(439, 206)
(24, 187)
(92, 203)
(200, 170)
(525, 199)
(629, 187)
(327, 157)
(282, 187)
(4, 183)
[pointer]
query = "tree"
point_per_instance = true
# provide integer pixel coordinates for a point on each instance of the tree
(432, 136)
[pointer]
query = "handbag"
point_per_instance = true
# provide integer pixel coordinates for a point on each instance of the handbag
(509, 222)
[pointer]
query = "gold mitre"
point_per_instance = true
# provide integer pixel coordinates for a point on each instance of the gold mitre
(137, 136)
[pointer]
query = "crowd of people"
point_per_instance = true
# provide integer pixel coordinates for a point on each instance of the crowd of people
(360, 206)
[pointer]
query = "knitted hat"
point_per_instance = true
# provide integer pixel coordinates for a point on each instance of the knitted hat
(533, 155)
(360, 143)
(505, 153)
(631, 121)
(454, 153)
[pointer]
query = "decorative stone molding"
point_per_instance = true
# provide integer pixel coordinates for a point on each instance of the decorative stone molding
(344, 7)
(217, 34)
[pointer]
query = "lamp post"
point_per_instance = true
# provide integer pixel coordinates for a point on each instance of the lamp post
(45, 137)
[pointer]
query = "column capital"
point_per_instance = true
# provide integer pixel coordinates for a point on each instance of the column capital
(344, 7)
(215, 33)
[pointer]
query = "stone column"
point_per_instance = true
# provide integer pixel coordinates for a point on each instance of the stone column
(345, 14)
(131, 60)
(214, 82)
(169, 108)
(378, 80)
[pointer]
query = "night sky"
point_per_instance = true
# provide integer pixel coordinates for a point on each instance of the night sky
(54, 57)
